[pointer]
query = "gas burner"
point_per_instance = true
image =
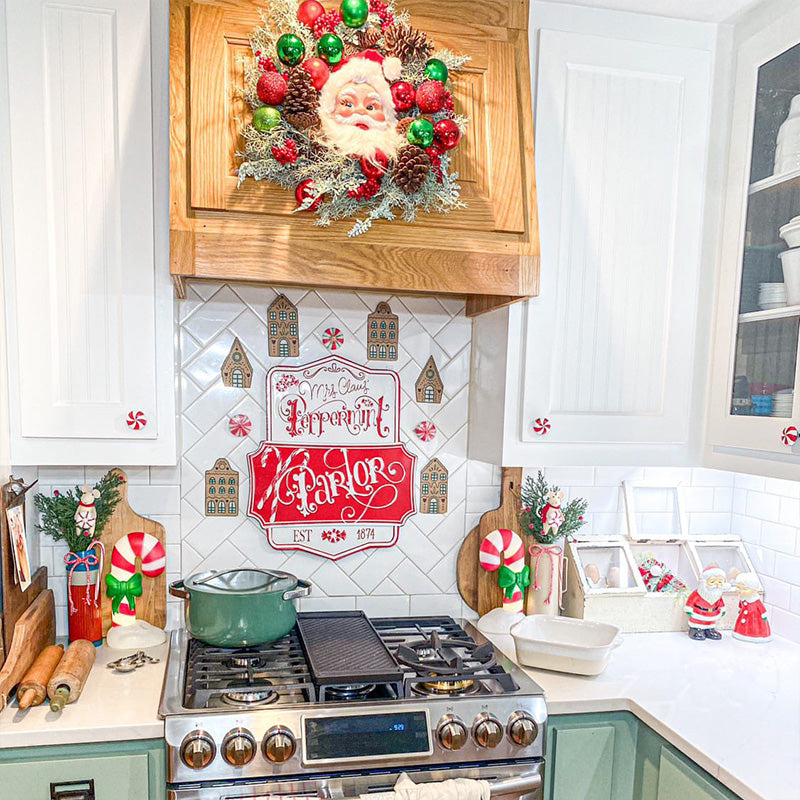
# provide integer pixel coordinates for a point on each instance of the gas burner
(246, 661)
(460, 688)
(350, 691)
(435, 656)
(250, 698)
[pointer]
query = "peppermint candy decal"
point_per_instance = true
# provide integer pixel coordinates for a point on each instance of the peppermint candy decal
(239, 425)
(541, 425)
(426, 431)
(789, 435)
(332, 338)
(136, 420)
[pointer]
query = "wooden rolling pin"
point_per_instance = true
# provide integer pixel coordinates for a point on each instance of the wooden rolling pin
(33, 687)
(66, 683)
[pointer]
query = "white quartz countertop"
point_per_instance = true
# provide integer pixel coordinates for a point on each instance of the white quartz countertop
(730, 706)
(113, 707)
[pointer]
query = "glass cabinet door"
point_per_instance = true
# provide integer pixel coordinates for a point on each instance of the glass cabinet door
(765, 362)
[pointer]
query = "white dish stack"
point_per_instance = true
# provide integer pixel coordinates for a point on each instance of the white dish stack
(790, 259)
(787, 150)
(782, 402)
(771, 295)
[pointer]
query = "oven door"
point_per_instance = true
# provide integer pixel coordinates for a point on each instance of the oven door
(509, 781)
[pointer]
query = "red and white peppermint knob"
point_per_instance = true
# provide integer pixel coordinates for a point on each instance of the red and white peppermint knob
(426, 431)
(332, 338)
(136, 420)
(239, 425)
(789, 435)
(541, 425)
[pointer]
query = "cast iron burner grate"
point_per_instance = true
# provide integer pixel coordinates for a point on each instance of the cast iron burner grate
(259, 675)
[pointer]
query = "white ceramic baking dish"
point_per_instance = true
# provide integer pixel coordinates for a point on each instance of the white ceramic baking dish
(579, 646)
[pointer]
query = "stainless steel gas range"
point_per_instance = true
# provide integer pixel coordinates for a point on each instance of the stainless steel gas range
(342, 705)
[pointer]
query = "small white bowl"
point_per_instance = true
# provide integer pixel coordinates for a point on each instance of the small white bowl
(790, 232)
(579, 646)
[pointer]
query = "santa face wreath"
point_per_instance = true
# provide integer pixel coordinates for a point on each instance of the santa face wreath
(352, 110)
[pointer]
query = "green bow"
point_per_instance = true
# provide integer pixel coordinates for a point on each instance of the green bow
(509, 580)
(124, 590)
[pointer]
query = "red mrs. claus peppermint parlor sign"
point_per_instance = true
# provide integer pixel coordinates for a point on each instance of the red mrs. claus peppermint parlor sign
(332, 477)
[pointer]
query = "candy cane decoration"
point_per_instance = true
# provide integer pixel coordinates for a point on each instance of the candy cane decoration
(281, 470)
(124, 582)
(505, 547)
(789, 435)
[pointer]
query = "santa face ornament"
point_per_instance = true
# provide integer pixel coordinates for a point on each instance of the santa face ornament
(357, 113)
(705, 606)
(752, 624)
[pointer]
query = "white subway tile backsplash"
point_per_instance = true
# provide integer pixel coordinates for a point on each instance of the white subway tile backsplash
(711, 477)
(570, 476)
(763, 506)
(777, 537)
(787, 568)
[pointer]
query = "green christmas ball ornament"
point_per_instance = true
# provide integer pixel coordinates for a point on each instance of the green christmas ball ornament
(330, 47)
(435, 70)
(265, 118)
(290, 49)
(354, 12)
(420, 133)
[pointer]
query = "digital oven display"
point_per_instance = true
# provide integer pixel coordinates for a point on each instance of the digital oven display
(366, 736)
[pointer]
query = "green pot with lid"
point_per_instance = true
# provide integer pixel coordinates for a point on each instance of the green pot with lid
(240, 607)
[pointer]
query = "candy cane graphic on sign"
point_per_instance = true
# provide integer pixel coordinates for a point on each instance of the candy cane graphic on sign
(124, 582)
(505, 547)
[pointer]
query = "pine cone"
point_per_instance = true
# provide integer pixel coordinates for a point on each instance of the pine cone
(301, 96)
(411, 169)
(369, 39)
(407, 43)
(403, 125)
(302, 119)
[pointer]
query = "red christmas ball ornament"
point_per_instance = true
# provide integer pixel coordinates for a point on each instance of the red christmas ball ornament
(318, 70)
(271, 88)
(404, 95)
(447, 134)
(376, 167)
(305, 189)
(309, 11)
(430, 97)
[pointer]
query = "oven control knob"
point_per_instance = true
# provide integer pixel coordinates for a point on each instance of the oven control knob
(279, 744)
(488, 732)
(198, 750)
(522, 729)
(238, 747)
(451, 733)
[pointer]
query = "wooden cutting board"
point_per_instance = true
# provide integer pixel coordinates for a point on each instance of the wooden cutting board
(35, 630)
(152, 605)
(478, 587)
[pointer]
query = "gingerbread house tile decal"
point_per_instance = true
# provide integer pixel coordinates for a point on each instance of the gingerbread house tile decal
(236, 370)
(433, 488)
(222, 490)
(382, 334)
(283, 331)
(429, 384)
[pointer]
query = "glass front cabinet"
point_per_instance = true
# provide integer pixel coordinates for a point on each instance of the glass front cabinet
(755, 402)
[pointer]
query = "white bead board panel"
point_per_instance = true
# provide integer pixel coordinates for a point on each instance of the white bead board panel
(415, 576)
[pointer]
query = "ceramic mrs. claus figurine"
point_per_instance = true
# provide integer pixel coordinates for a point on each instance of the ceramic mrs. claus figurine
(752, 624)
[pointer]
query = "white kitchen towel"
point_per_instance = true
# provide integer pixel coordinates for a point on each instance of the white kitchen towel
(453, 789)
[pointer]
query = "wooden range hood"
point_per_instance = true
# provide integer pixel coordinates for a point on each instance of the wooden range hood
(488, 253)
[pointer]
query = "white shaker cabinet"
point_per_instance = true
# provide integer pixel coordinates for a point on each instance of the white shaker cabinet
(601, 367)
(88, 302)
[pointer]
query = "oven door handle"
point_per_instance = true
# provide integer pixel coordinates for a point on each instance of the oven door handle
(519, 785)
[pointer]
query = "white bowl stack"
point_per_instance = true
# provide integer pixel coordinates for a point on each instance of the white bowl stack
(782, 402)
(771, 295)
(787, 149)
(790, 260)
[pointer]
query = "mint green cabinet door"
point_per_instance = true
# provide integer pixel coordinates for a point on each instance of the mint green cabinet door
(679, 780)
(583, 763)
(123, 777)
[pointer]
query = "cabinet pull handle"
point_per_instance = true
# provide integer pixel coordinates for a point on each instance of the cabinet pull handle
(72, 790)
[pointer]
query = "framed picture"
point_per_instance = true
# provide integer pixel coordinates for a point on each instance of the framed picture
(19, 545)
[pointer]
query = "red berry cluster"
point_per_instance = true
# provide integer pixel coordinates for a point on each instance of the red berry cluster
(382, 10)
(449, 105)
(286, 154)
(326, 23)
(435, 155)
(265, 64)
(367, 190)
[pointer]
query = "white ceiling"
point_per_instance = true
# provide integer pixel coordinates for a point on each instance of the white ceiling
(700, 10)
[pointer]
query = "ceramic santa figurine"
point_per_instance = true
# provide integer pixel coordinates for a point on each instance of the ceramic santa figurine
(752, 624)
(356, 109)
(705, 606)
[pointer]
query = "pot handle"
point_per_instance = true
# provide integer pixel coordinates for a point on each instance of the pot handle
(177, 589)
(303, 589)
